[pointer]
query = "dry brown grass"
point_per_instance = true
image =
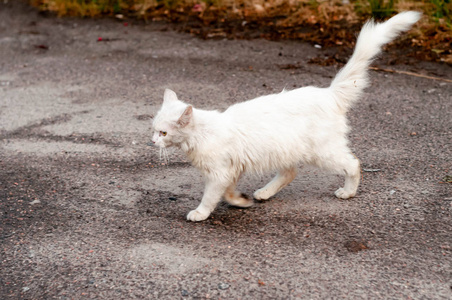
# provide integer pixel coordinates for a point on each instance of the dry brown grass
(331, 20)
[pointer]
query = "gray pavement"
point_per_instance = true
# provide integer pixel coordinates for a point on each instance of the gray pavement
(89, 211)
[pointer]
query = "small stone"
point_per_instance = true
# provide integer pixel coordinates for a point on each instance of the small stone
(355, 246)
(35, 202)
(371, 170)
(223, 286)
(184, 293)
(150, 144)
(391, 192)
(25, 289)
(172, 198)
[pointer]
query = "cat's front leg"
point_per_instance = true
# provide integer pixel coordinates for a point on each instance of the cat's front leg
(212, 196)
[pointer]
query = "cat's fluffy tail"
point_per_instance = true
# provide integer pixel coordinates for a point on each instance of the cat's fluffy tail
(351, 80)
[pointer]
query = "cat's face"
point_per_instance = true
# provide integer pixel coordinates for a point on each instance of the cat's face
(170, 121)
(162, 136)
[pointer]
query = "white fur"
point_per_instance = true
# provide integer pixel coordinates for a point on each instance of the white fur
(275, 132)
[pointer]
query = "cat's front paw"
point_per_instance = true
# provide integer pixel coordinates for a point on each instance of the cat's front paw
(196, 216)
(343, 194)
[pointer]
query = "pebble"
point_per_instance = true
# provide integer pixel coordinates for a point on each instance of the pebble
(172, 198)
(184, 293)
(25, 289)
(391, 192)
(371, 170)
(223, 286)
(35, 202)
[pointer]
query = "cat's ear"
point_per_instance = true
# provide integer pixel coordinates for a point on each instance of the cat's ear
(169, 96)
(186, 117)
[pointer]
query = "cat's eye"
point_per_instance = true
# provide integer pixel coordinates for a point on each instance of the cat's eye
(164, 133)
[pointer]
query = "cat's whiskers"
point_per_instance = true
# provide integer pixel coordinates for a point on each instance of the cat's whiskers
(163, 155)
(166, 156)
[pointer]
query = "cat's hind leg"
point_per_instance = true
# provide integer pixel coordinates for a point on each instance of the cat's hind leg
(236, 198)
(350, 167)
(283, 178)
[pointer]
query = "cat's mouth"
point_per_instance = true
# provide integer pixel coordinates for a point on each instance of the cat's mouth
(161, 145)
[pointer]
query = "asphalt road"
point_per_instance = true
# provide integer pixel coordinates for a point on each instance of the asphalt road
(89, 211)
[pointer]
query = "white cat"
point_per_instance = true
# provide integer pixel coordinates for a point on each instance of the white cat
(275, 132)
